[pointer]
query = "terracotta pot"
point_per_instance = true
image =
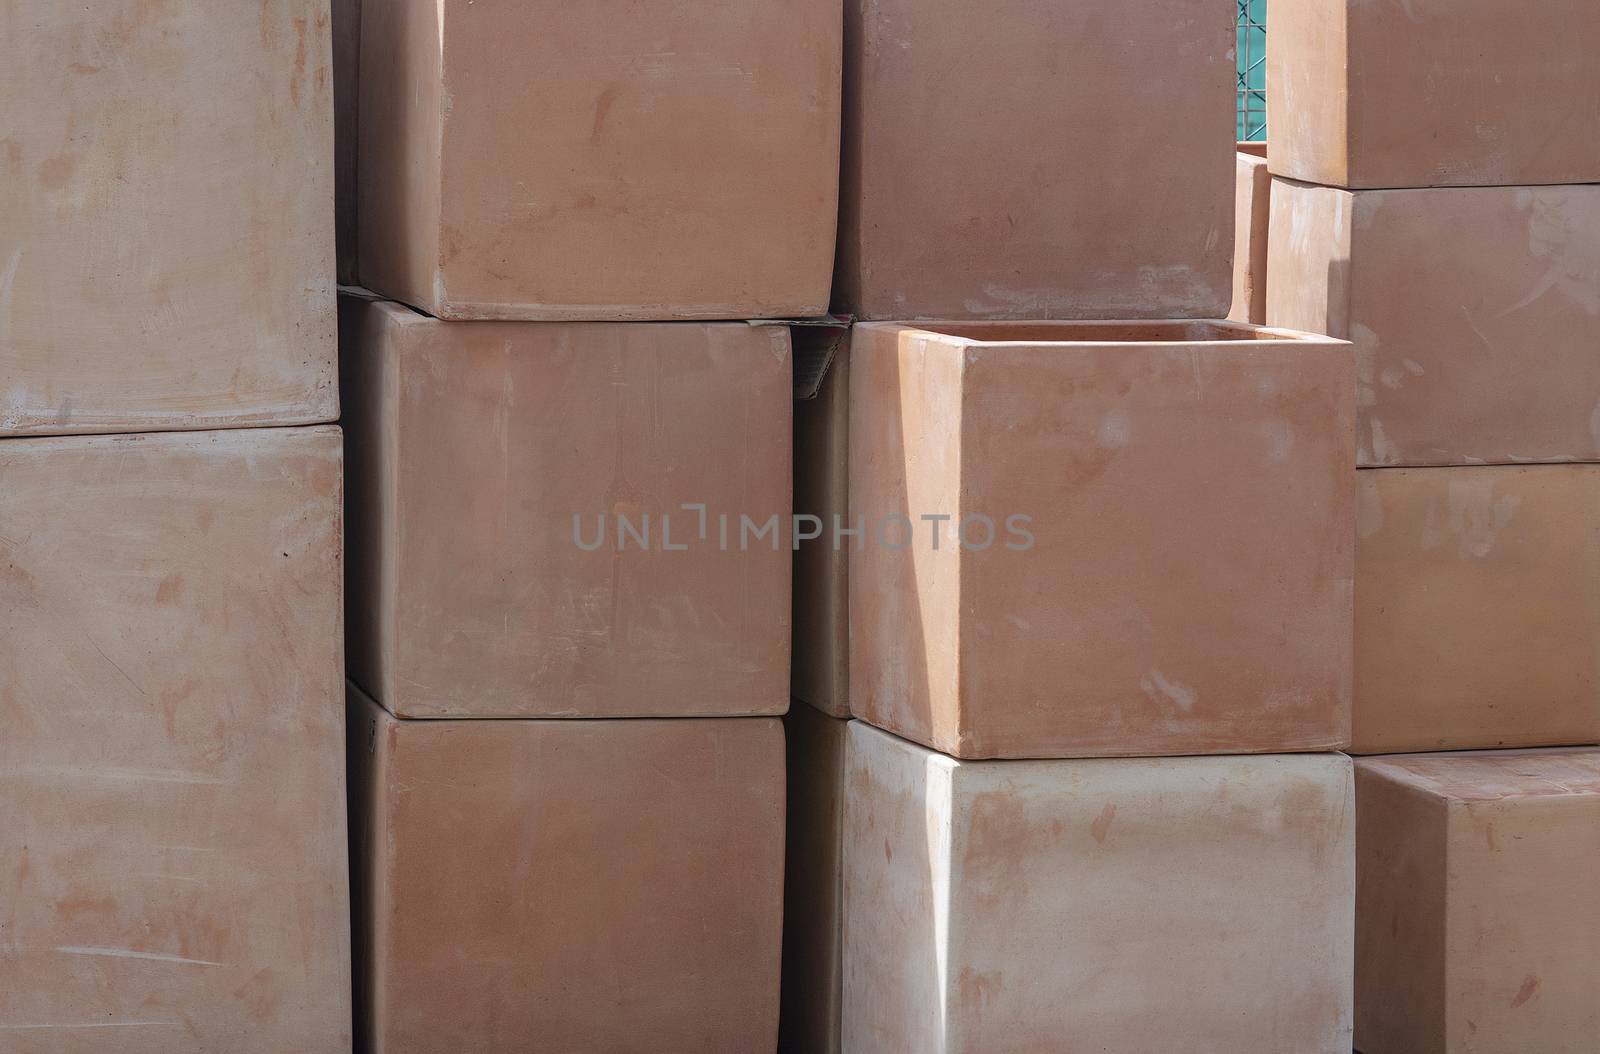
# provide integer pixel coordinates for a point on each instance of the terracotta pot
(522, 504)
(1133, 905)
(567, 885)
(1477, 608)
(172, 818)
(1251, 216)
(1423, 93)
(1013, 159)
(1477, 912)
(600, 160)
(166, 207)
(1124, 538)
(1475, 315)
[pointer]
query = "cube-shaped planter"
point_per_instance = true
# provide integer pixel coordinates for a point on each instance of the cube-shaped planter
(166, 216)
(1014, 159)
(1423, 93)
(1085, 539)
(1477, 608)
(172, 814)
(1251, 217)
(1475, 314)
(1477, 909)
(1117, 905)
(602, 160)
(813, 891)
(568, 519)
(821, 668)
(567, 885)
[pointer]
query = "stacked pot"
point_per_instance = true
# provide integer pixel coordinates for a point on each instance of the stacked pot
(1435, 202)
(571, 471)
(1084, 585)
(172, 818)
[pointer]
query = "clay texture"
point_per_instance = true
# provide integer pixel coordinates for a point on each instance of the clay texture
(1477, 608)
(1252, 214)
(813, 892)
(492, 466)
(1475, 315)
(1013, 159)
(172, 783)
(1477, 910)
(600, 160)
(1180, 582)
(568, 885)
(1125, 906)
(166, 209)
(346, 85)
(821, 674)
(1423, 93)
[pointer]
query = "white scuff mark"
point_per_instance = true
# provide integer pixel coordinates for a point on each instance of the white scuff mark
(1159, 688)
(128, 953)
(1028, 300)
(1366, 356)
(1566, 245)
(1383, 451)
(1288, 699)
(121, 774)
(1116, 431)
(1395, 377)
(8, 280)
(1280, 440)
(1476, 517)
(75, 1026)
(1540, 288)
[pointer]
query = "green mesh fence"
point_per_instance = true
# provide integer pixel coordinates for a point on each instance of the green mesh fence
(1252, 52)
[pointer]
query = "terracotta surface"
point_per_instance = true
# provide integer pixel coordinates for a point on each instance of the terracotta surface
(1419, 93)
(346, 83)
(813, 923)
(166, 207)
(821, 674)
(1188, 588)
(568, 885)
(1475, 314)
(1477, 910)
(600, 160)
(1477, 608)
(1119, 906)
(1014, 159)
(472, 450)
(172, 816)
(1252, 213)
